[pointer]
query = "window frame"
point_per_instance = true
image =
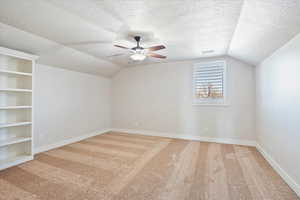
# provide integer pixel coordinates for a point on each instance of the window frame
(211, 101)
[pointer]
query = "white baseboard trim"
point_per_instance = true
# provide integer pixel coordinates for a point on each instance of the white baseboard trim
(284, 175)
(188, 137)
(68, 141)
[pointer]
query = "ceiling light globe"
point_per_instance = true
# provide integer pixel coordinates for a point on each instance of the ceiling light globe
(138, 57)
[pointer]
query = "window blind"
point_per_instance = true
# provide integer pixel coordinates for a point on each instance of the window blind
(208, 80)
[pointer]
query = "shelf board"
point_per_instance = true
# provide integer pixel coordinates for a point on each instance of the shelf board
(9, 162)
(15, 72)
(14, 90)
(6, 125)
(14, 107)
(14, 140)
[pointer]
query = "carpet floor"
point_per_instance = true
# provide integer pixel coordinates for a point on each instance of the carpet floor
(119, 166)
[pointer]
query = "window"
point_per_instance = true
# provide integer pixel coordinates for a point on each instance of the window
(209, 83)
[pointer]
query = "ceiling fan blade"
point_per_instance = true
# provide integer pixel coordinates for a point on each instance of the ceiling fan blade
(156, 48)
(115, 55)
(121, 46)
(156, 55)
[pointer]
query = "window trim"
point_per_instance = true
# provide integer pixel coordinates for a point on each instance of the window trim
(211, 102)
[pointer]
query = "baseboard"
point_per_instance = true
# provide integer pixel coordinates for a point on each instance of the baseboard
(68, 141)
(284, 175)
(189, 137)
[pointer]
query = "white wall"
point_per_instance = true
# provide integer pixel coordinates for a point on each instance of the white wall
(158, 98)
(278, 107)
(68, 105)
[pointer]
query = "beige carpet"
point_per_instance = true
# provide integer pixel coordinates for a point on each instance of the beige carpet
(121, 166)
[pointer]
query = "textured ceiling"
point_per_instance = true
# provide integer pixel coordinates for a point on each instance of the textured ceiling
(79, 34)
(264, 26)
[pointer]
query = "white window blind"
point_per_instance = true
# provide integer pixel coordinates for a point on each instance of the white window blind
(209, 82)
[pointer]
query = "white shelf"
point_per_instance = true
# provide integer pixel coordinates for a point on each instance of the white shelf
(14, 161)
(14, 90)
(14, 107)
(14, 141)
(15, 73)
(6, 125)
(16, 100)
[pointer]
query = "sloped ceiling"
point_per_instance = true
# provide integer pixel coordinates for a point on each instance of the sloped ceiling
(263, 27)
(79, 35)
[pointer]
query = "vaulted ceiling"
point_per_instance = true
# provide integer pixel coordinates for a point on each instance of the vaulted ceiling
(79, 34)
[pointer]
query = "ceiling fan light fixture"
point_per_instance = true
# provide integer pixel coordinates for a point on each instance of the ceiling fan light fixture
(138, 56)
(139, 53)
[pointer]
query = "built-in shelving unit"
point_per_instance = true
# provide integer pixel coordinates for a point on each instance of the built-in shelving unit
(15, 160)
(16, 105)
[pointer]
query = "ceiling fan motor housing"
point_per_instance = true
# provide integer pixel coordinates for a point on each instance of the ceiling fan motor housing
(137, 38)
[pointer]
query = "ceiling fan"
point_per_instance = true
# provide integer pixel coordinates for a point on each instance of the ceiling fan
(139, 53)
